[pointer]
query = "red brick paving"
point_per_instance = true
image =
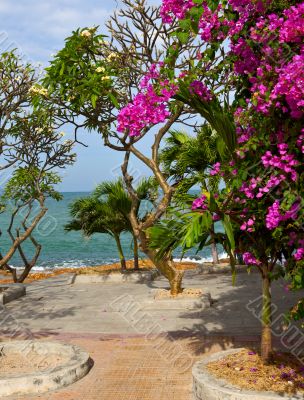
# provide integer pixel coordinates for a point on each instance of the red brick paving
(136, 368)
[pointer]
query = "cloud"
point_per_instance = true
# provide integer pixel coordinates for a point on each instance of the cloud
(38, 27)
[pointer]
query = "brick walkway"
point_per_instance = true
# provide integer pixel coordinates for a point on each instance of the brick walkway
(137, 368)
(127, 365)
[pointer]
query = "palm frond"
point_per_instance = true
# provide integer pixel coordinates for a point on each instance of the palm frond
(185, 231)
(147, 189)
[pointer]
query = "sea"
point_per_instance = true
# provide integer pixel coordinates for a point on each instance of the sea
(61, 249)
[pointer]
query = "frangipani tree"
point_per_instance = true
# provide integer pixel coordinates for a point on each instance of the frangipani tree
(32, 152)
(92, 80)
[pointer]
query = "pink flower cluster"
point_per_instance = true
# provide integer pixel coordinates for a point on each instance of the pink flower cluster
(257, 189)
(209, 22)
(244, 134)
(175, 8)
(292, 29)
(300, 141)
(153, 73)
(247, 62)
(284, 161)
(272, 182)
(216, 169)
(250, 259)
(249, 188)
(248, 225)
(299, 254)
(148, 108)
(200, 203)
(290, 85)
(200, 89)
(274, 216)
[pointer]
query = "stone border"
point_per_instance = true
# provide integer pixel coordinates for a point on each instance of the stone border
(206, 269)
(12, 292)
(209, 269)
(76, 368)
(192, 303)
(207, 387)
(117, 277)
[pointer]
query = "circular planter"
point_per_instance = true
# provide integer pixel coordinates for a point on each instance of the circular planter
(208, 387)
(75, 366)
(200, 302)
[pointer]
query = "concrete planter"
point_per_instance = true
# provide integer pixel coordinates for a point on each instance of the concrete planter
(184, 303)
(207, 387)
(10, 292)
(77, 366)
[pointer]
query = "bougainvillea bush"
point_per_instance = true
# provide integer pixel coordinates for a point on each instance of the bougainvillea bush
(254, 50)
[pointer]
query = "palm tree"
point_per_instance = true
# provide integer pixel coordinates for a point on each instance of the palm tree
(117, 196)
(107, 211)
(186, 159)
(92, 215)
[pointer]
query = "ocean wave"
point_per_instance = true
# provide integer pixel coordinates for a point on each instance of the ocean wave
(200, 259)
(78, 263)
(72, 263)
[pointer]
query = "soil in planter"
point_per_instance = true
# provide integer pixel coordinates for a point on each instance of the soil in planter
(17, 363)
(185, 294)
(246, 370)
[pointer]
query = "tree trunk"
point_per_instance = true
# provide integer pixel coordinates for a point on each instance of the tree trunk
(120, 252)
(266, 341)
(13, 271)
(19, 240)
(28, 265)
(135, 251)
(168, 269)
(165, 266)
(215, 258)
(214, 252)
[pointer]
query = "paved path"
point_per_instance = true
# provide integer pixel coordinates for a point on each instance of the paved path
(137, 354)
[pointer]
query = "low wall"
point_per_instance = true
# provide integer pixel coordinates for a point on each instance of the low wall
(11, 291)
(129, 277)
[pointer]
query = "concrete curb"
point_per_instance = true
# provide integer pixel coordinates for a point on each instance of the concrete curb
(219, 269)
(209, 269)
(207, 387)
(134, 277)
(12, 292)
(75, 368)
(60, 280)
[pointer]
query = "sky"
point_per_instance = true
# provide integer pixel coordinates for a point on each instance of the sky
(38, 29)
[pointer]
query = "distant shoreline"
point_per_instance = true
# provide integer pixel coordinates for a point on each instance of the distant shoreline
(5, 277)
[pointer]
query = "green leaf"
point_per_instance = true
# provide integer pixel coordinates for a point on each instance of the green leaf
(229, 232)
(62, 69)
(113, 99)
(94, 99)
(182, 36)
